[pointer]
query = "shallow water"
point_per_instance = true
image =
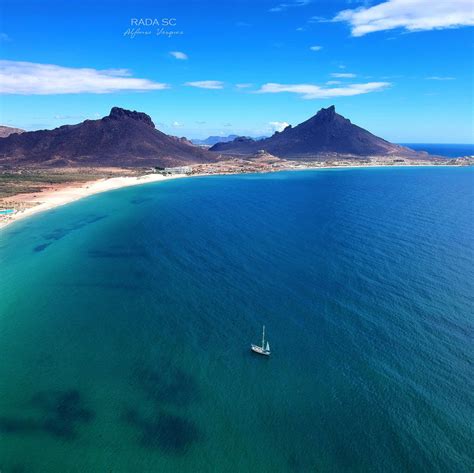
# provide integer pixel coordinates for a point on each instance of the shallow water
(126, 320)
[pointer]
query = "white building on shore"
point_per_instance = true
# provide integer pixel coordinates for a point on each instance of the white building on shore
(178, 170)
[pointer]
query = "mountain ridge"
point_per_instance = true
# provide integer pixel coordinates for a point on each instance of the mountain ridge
(323, 134)
(124, 138)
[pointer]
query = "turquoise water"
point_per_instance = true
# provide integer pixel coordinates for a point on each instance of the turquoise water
(126, 320)
(6, 211)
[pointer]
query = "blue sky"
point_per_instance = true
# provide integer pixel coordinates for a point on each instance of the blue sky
(402, 69)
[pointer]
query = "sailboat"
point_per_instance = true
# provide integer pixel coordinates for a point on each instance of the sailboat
(264, 349)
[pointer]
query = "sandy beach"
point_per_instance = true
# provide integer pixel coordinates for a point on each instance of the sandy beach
(50, 199)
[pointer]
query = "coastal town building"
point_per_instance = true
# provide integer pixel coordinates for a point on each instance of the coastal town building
(178, 170)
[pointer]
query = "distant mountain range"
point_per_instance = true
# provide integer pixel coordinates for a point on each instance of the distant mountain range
(212, 140)
(326, 133)
(8, 130)
(123, 138)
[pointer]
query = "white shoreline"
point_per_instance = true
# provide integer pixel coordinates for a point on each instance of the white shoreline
(51, 199)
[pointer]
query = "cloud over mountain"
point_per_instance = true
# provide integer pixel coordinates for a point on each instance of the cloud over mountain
(278, 126)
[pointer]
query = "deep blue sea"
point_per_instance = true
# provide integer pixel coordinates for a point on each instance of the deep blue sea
(126, 320)
(441, 149)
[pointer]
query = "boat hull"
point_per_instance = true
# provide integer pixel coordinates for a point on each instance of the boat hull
(260, 350)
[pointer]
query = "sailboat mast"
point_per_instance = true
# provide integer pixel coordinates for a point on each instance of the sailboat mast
(263, 337)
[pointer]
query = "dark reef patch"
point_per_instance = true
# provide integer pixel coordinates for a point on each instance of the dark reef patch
(66, 404)
(59, 233)
(165, 387)
(170, 385)
(60, 412)
(17, 469)
(166, 432)
(42, 247)
(13, 425)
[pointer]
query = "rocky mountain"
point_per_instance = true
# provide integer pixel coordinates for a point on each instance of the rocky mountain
(327, 133)
(8, 130)
(123, 138)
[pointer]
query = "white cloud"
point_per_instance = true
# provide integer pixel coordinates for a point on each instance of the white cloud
(440, 78)
(118, 72)
(294, 3)
(176, 124)
(333, 82)
(28, 78)
(243, 86)
(69, 117)
(179, 55)
(206, 84)
(318, 19)
(278, 126)
(312, 91)
(315, 48)
(412, 15)
(343, 75)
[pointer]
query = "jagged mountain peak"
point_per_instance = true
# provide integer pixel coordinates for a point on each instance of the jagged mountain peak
(326, 116)
(118, 113)
(326, 113)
